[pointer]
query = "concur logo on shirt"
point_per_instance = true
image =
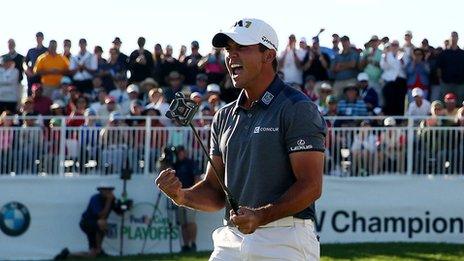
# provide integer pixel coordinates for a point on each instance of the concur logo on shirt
(259, 129)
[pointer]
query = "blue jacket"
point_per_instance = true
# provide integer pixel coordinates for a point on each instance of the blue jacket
(421, 69)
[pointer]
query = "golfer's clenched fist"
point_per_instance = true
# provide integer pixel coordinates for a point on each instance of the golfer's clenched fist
(168, 182)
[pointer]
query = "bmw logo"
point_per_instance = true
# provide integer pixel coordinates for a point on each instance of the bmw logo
(14, 219)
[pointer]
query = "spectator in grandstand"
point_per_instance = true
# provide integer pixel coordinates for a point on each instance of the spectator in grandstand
(51, 67)
(460, 116)
(213, 65)
(420, 106)
(136, 110)
(212, 97)
(188, 174)
(353, 105)
(41, 103)
(368, 93)
(370, 63)
(169, 63)
(10, 90)
(309, 88)
(437, 110)
(17, 58)
(76, 117)
(132, 95)
(140, 63)
(331, 105)
(176, 84)
(120, 93)
(206, 116)
(27, 106)
(451, 68)
(197, 98)
(316, 63)
(290, 62)
(154, 114)
(83, 66)
(434, 78)
(191, 63)
(122, 59)
(201, 84)
(450, 104)
(116, 66)
(73, 95)
(392, 148)
(157, 64)
(31, 58)
(103, 69)
(335, 43)
(324, 90)
(417, 73)
(146, 86)
(408, 47)
(157, 101)
(393, 75)
(63, 92)
(344, 67)
(67, 49)
(57, 108)
(363, 150)
(105, 111)
(182, 53)
(94, 223)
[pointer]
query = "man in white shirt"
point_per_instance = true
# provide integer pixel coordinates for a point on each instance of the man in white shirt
(290, 62)
(9, 87)
(82, 66)
(420, 106)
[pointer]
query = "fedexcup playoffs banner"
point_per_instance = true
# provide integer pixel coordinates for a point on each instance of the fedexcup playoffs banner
(40, 215)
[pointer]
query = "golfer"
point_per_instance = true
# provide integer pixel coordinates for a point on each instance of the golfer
(268, 146)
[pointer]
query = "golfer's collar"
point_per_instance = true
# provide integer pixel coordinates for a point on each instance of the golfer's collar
(266, 99)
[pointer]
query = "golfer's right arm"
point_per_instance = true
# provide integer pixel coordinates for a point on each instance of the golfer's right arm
(206, 195)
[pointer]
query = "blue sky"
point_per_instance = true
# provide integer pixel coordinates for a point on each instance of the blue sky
(179, 22)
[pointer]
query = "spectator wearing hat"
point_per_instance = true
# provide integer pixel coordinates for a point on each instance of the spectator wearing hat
(27, 106)
(324, 90)
(367, 93)
(316, 63)
(51, 67)
(30, 60)
(213, 100)
(10, 91)
(100, 101)
(140, 63)
(63, 92)
(331, 106)
(145, 86)
(157, 102)
(353, 105)
(17, 58)
(76, 117)
(290, 62)
(110, 106)
(191, 63)
(200, 85)
(420, 106)
(450, 69)
(122, 59)
(370, 63)
(197, 98)
(344, 67)
(214, 66)
(83, 66)
(41, 103)
(57, 108)
(394, 77)
(451, 104)
(133, 95)
(103, 70)
(175, 84)
(116, 66)
(417, 72)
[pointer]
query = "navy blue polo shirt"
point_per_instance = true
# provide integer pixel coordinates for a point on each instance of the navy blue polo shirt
(255, 143)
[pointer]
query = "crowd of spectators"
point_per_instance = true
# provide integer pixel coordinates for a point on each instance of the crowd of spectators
(383, 78)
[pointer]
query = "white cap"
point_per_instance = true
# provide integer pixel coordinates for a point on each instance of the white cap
(132, 88)
(248, 31)
(195, 94)
(326, 86)
(213, 88)
(363, 77)
(390, 121)
(105, 185)
(57, 104)
(417, 92)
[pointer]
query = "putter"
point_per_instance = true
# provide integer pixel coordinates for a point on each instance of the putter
(182, 110)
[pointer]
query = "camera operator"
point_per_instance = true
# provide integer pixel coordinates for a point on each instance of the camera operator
(94, 222)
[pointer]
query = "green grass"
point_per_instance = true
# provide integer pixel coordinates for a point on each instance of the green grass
(339, 252)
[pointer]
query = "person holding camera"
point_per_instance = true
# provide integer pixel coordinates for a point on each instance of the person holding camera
(94, 222)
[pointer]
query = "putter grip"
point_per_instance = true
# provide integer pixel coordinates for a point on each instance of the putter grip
(233, 203)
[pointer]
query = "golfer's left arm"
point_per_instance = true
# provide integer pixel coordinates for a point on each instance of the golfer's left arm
(307, 167)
